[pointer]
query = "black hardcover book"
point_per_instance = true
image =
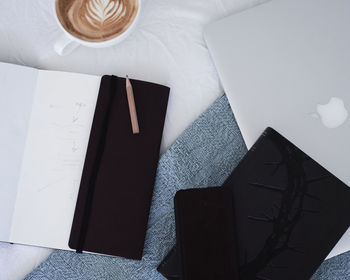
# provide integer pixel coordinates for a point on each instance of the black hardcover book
(289, 211)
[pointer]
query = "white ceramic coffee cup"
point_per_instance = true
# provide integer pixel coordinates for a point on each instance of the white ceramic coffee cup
(67, 42)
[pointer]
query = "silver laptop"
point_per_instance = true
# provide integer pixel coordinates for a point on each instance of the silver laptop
(286, 64)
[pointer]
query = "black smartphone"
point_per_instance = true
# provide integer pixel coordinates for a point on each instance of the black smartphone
(205, 234)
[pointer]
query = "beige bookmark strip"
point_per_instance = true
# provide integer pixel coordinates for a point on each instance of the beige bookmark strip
(132, 107)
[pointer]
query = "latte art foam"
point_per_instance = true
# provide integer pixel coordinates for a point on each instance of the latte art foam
(96, 20)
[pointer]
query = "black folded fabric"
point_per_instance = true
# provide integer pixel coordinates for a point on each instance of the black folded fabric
(116, 188)
(205, 234)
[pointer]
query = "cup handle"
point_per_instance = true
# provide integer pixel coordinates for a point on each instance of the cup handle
(64, 45)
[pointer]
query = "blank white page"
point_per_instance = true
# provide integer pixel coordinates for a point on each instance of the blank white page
(53, 160)
(17, 85)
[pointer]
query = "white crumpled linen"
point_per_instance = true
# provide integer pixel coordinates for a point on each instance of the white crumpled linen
(167, 47)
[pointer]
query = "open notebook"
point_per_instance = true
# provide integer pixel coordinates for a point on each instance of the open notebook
(73, 176)
(42, 159)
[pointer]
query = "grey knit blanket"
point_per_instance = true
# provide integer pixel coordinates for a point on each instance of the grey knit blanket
(204, 155)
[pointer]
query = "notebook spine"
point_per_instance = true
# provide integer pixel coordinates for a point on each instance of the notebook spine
(91, 168)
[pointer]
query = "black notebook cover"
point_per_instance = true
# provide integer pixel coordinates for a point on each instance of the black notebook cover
(289, 211)
(116, 188)
(205, 234)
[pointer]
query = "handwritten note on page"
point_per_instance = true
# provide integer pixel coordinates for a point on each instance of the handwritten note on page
(52, 164)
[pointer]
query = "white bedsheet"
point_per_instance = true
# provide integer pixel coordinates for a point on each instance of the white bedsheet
(167, 47)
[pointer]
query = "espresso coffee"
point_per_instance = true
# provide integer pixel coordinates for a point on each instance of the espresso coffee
(96, 20)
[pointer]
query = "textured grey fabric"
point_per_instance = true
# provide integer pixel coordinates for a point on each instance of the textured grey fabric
(335, 268)
(204, 155)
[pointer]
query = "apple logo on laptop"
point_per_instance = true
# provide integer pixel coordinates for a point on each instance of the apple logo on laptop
(333, 114)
